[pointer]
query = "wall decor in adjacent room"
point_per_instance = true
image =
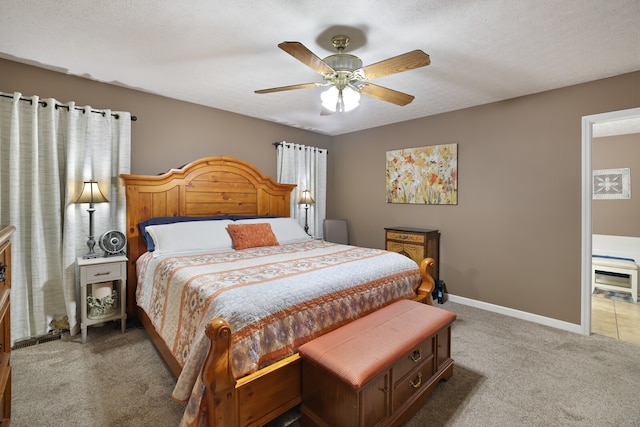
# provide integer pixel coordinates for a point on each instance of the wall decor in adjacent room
(612, 184)
(423, 175)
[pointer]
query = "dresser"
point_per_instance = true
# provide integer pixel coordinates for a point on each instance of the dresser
(415, 243)
(5, 324)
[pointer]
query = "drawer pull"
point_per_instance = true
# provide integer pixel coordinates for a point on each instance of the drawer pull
(3, 272)
(416, 355)
(418, 381)
(106, 273)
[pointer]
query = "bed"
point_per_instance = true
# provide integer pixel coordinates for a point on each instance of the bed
(232, 190)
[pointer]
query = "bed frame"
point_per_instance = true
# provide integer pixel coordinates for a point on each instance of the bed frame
(214, 186)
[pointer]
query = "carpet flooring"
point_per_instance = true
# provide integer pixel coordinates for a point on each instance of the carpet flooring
(508, 372)
(114, 379)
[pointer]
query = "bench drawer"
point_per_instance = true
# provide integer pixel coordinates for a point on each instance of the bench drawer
(412, 383)
(421, 353)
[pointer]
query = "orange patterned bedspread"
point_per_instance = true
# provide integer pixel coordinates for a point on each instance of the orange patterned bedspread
(275, 298)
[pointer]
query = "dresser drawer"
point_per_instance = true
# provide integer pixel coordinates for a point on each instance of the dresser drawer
(406, 237)
(103, 272)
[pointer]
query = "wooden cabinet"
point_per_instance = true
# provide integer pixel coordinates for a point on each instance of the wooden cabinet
(5, 324)
(415, 243)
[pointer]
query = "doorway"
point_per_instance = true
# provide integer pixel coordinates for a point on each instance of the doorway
(622, 121)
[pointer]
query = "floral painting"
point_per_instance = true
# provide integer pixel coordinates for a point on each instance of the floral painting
(423, 175)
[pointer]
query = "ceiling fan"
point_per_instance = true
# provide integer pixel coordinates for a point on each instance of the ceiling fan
(347, 78)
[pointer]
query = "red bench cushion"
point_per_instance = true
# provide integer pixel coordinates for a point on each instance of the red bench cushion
(360, 350)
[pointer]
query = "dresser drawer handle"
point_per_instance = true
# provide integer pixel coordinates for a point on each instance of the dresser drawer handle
(416, 355)
(3, 272)
(403, 237)
(417, 382)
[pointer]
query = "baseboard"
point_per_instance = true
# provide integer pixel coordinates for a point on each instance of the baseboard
(535, 318)
(28, 342)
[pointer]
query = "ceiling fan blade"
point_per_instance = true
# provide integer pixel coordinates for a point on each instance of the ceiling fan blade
(386, 94)
(397, 64)
(304, 55)
(292, 87)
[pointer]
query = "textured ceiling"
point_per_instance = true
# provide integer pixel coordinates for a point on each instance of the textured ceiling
(217, 53)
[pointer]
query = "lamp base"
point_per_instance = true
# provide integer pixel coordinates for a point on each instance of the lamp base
(91, 243)
(306, 219)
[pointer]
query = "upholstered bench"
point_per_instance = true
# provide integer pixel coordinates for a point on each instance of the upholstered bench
(377, 370)
(618, 274)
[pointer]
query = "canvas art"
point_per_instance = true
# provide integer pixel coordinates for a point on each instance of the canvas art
(423, 175)
(612, 184)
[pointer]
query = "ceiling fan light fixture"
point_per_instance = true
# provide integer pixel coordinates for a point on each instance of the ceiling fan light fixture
(340, 101)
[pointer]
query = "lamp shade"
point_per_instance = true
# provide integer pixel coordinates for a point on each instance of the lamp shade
(340, 101)
(91, 193)
(305, 198)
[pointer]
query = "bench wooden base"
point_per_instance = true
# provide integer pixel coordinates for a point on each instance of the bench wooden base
(378, 370)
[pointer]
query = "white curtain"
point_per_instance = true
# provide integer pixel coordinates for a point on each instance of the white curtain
(47, 150)
(307, 168)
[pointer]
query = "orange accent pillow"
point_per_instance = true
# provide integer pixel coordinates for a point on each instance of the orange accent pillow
(252, 235)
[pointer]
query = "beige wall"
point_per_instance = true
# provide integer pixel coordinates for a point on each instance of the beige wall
(618, 217)
(513, 239)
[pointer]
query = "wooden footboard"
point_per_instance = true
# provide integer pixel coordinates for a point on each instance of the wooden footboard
(264, 395)
(428, 284)
(252, 400)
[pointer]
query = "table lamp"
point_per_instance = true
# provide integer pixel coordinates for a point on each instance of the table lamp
(306, 200)
(91, 194)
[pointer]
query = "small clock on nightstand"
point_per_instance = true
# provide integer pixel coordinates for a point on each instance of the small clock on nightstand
(105, 298)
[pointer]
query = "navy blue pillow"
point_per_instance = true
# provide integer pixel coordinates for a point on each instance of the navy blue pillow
(170, 220)
(239, 217)
(613, 257)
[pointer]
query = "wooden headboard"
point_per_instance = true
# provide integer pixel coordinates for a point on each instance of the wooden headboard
(208, 186)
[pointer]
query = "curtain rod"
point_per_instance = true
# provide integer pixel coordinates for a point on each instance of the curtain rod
(44, 104)
(277, 144)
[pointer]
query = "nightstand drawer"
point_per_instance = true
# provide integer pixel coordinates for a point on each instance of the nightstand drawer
(406, 237)
(103, 272)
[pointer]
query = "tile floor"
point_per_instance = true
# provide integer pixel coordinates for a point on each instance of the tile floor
(620, 320)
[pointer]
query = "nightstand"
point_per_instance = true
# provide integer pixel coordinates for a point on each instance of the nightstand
(415, 243)
(103, 291)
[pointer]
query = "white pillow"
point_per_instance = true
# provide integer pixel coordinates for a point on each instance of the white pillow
(191, 236)
(287, 230)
